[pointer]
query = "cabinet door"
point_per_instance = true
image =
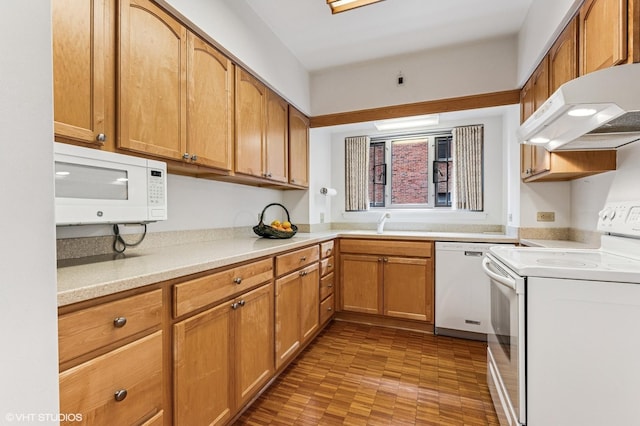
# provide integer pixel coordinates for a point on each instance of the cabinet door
(408, 288)
(361, 283)
(82, 82)
(276, 153)
(202, 366)
(250, 123)
(287, 325)
(309, 302)
(298, 148)
(603, 34)
(152, 81)
(563, 57)
(210, 88)
(526, 101)
(253, 342)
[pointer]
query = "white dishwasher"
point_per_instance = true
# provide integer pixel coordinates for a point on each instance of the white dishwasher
(462, 290)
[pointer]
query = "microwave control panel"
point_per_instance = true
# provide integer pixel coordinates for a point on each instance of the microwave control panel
(157, 185)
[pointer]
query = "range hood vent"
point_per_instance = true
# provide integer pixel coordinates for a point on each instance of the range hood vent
(600, 110)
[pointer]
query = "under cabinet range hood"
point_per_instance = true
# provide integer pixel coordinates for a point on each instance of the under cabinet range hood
(600, 110)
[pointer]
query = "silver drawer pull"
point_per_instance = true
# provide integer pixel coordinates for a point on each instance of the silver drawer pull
(119, 322)
(329, 265)
(303, 258)
(329, 309)
(473, 253)
(241, 302)
(234, 305)
(120, 395)
(237, 280)
(303, 273)
(472, 322)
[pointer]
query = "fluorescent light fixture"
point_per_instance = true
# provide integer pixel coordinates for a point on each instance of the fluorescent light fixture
(582, 112)
(338, 6)
(408, 122)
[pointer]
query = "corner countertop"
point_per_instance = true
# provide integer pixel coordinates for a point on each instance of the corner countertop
(148, 266)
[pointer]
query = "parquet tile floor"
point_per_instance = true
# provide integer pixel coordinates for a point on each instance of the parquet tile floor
(355, 374)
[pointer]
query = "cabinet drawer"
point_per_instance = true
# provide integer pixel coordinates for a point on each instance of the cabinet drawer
(326, 286)
(387, 247)
(326, 249)
(204, 291)
(83, 331)
(326, 266)
(296, 259)
(327, 308)
(157, 420)
(131, 373)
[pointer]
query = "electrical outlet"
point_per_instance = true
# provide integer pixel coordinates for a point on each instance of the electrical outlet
(546, 217)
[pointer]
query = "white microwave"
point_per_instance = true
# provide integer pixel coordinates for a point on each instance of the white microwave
(94, 187)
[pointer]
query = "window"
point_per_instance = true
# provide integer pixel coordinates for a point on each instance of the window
(413, 171)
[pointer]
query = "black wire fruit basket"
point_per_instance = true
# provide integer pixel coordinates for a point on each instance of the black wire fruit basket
(268, 231)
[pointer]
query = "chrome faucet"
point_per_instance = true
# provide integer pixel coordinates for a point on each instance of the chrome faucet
(382, 220)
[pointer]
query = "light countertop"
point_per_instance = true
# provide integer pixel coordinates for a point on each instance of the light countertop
(143, 267)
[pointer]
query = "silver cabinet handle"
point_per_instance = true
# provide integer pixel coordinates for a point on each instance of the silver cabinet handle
(119, 322)
(234, 305)
(241, 302)
(120, 395)
(101, 137)
(303, 258)
(379, 259)
(303, 273)
(329, 265)
(330, 286)
(329, 309)
(237, 280)
(186, 156)
(194, 157)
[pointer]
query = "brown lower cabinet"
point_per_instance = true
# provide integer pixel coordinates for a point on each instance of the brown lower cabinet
(222, 357)
(389, 278)
(192, 350)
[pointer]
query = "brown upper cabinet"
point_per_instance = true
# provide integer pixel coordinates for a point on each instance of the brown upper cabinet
(261, 130)
(298, 148)
(535, 159)
(563, 57)
(152, 88)
(603, 34)
(176, 96)
(210, 93)
(276, 153)
(83, 72)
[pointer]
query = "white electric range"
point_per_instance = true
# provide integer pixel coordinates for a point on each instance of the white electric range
(564, 344)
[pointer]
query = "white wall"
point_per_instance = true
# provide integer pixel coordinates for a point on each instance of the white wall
(588, 196)
(544, 22)
(28, 306)
(511, 171)
(495, 201)
(545, 197)
(235, 26)
(482, 67)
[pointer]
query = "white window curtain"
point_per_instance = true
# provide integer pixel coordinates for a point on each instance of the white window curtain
(356, 173)
(467, 165)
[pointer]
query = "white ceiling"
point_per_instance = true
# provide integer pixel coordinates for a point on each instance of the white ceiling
(321, 40)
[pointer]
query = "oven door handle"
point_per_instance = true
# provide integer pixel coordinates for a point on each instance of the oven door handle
(501, 279)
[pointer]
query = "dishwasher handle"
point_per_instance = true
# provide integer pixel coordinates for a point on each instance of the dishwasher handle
(500, 278)
(473, 253)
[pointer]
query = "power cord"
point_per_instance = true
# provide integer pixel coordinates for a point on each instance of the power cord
(120, 245)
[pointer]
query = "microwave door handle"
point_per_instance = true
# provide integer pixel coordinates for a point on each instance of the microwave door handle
(506, 281)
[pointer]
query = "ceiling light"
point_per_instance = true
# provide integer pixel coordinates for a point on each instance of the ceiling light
(338, 6)
(408, 122)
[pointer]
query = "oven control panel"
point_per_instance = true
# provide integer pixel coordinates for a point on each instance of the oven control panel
(622, 218)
